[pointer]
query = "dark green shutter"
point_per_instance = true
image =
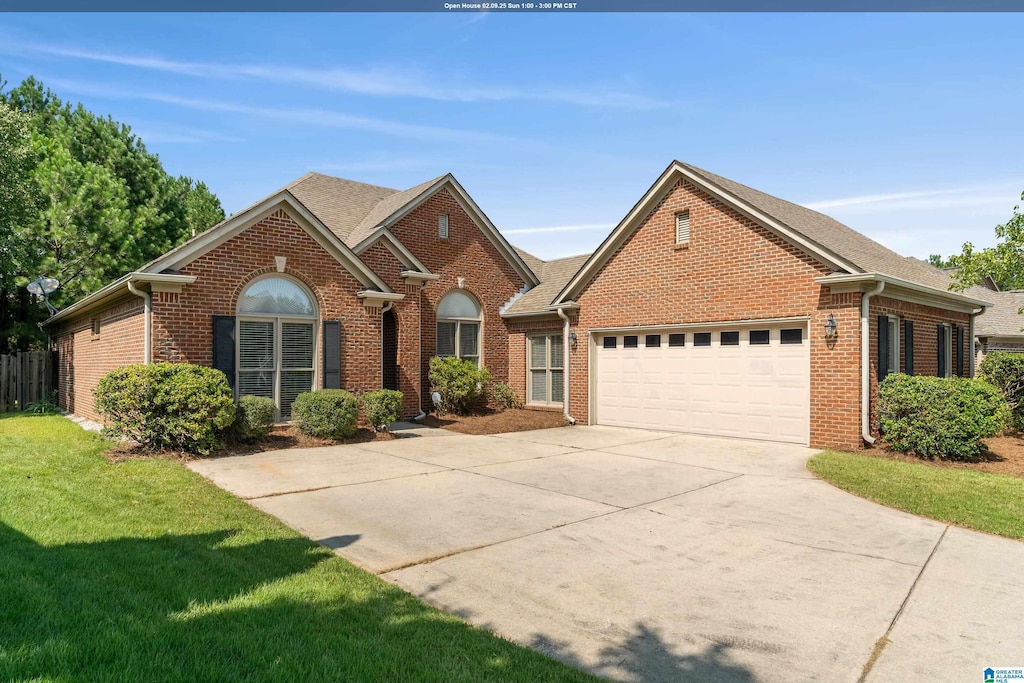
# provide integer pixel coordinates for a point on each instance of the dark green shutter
(883, 347)
(332, 354)
(224, 346)
(908, 346)
(959, 332)
(941, 346)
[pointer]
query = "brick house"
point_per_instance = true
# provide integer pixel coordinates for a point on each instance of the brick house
(705, 310)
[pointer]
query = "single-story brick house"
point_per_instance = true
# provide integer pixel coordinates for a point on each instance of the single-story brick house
(711, 308)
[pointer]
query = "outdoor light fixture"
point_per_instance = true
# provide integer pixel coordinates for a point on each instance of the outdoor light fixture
(572, 338)
(831, 328)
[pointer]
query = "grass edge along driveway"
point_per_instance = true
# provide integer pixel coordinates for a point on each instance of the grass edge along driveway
(993, 503)
(143, 571)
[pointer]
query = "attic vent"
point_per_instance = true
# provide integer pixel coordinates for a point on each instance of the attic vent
(442, 226)
(683, 227)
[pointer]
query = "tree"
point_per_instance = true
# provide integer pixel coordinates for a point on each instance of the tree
(100, 205)
(1004, 262)
(939, 262)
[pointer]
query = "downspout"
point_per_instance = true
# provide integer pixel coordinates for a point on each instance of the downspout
(419, 354)
(147, 327)
(974, 351)
(565, 366)
(865, 367)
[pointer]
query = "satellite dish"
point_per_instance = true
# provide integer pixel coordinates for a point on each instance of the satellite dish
(44, 287)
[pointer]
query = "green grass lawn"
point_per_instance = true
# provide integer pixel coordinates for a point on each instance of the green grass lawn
(976, 500)
(144, 571)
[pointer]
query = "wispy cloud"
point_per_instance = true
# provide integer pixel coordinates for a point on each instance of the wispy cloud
(994, 195)
(392, 81)
(559, 229)
(157, 134)
(309, 116)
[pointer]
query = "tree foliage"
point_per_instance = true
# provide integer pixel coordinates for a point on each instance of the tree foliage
(1004, 262)
(939, 262)
(96, 204)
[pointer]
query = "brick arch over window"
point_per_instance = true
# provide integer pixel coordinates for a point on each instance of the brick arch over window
(289, 273)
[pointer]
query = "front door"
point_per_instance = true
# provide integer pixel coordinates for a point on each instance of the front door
(389, 353)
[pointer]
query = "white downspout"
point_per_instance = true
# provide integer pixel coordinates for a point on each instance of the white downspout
(147, 327)
(865, 367)
(974, 351)
(419, 354)
(565, 366)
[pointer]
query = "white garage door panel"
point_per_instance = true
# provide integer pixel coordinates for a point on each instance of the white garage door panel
(757, 392)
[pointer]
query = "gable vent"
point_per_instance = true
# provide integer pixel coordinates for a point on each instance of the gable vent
(442, 226)
(683, 227)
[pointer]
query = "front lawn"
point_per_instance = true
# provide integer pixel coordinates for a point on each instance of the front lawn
(976, 500)
(144, 571)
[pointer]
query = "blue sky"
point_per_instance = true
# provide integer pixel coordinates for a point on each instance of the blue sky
(906, 127)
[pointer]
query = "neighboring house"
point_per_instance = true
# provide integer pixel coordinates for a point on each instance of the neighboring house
(1000, 327)
(705, 310)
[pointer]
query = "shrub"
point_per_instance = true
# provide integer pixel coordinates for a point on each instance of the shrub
(166, 405)
(460, 383)
(326, 413)
(1005, 371)
(505, 396)
(382, 407)
(943, 417)
(254, 418)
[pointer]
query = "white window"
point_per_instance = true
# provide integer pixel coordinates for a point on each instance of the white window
(277, 321)
(947, 357)
(682, 227)
(894, 343)
(442, 226)
(545, 358)
(458, 326)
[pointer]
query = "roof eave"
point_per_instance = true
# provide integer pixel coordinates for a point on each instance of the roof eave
(960, 301)
(116, 288)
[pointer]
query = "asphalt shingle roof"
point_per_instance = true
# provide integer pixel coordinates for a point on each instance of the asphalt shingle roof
(553, 275)
(340, 204)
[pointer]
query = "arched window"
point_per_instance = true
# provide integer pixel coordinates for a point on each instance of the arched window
(458, 326)
(277, 322)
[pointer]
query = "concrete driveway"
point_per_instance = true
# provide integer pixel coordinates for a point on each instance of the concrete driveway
(647, 556)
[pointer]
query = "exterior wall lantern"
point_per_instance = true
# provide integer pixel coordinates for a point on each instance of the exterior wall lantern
(831, 328)
(572, 339)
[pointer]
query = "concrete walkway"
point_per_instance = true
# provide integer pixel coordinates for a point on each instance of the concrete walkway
(647, 556)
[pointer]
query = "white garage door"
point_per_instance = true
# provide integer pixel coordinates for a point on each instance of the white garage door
(750, 381)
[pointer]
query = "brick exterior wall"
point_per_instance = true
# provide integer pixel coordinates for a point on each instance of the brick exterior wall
(83, 358)
(466, 253)
(732, 269)
(987, 345)
(519, 330)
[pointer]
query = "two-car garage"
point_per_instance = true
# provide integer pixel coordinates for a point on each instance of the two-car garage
(745, 379)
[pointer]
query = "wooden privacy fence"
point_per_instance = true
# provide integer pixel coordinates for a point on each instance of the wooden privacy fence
(25, 377)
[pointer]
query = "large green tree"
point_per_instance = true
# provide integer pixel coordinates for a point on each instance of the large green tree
(101, 205)
(1004, 262)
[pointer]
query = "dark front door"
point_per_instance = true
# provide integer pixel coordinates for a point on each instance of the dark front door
(389, 353)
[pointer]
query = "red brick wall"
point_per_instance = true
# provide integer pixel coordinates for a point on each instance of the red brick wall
(83, 358)
(183, 324)
(466, 253)
(732, 269)
(926, 352)
(518, 332)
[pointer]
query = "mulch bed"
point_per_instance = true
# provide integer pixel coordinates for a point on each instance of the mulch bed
(1003, 455)
(490, 421)
(281, 437)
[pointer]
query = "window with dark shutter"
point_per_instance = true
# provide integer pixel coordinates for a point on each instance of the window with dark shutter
(224, 346)
(908, 346)
(332, 354)
(883, 347)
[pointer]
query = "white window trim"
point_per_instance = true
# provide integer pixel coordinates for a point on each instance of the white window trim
(443, 226)
(458, 340)
(278, 320)
(894, 343)
(530, 399)
(678, 216)
(947, 330)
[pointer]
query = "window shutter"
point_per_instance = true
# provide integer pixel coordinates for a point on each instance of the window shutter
(332, 354)
(941, 345)
(883, 347)
(683, 227)
(442, 226)
(908, 345)
(958, 336)
(224, 346)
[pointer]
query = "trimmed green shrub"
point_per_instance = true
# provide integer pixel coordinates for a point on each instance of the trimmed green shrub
(944, 417)
(382, 407)
(1005, 371)
(505, 396)
(326, 413)
(166, 405)
(461, 383)
(254, 418)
